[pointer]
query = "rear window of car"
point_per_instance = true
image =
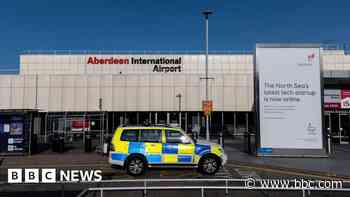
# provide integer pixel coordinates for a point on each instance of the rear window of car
(151, 135)
(131, 135)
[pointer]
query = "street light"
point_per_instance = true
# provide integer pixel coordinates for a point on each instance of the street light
(206, 14)
(179, 96)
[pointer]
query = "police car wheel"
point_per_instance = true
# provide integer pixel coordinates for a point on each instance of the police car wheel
(209, 165)
(135, 166)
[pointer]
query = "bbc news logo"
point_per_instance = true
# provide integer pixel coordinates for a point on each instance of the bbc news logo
(52, 175)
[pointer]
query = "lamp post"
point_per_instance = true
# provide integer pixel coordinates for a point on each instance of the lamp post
(179, 96)
(206, 14)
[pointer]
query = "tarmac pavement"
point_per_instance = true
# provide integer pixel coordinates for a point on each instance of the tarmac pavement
(336, 165)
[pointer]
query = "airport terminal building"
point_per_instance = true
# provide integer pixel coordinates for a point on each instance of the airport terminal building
(99, 91)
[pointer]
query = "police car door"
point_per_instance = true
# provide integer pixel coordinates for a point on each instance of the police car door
(152, 139)
(178, 148)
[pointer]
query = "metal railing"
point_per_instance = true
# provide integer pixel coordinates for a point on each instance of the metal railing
(226, 187)
(204, 188)
(101, 189)
(146, 185)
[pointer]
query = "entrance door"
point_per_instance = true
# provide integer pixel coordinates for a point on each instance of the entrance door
(344, 128)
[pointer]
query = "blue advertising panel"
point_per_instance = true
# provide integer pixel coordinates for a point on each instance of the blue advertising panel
(12, 133)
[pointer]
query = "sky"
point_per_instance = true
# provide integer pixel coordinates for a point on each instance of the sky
(163, 25)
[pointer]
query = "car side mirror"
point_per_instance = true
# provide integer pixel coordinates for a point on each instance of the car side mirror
(194, 139)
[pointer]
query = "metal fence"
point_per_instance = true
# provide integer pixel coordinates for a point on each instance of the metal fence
(204, 189)
(201, 187)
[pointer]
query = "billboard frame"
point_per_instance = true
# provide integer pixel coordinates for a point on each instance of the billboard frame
(287, 152)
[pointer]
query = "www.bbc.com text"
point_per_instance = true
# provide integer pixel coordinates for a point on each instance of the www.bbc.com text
(251, 183)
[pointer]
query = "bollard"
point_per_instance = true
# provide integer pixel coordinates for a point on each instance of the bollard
(221, 140)
(329, 144)
(61, 144)
(105, 148)
(107, 145)
(88, 143)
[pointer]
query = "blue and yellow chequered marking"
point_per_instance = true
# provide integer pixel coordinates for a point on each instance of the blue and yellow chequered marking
(154, 159)
(202, 149)
(184, 159)
(152, 148)
(152, 151)
(136, 147)
(186, 149)
(155, 153)
(167, 153)
(169, 158)
(122, 147)
(177, 153)
(170, 148)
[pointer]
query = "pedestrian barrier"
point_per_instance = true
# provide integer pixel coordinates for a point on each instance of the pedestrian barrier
(226, 186)
(201, 187)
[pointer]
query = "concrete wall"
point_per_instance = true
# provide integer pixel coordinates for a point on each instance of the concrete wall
(150, 92)
(68, 83)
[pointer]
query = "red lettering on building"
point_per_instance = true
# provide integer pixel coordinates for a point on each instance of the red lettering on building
(111, 60)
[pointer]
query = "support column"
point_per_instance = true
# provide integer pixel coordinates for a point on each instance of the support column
(113, 122)
(103, 128)
(65, 123)
(30, 135)
(168, 118)
(222, 122)
(46, 119)
(209, 124)
(234, 123)
(150, 117)
(340, 128)
(198, 120)
(123, 119)
(156, 118)
(247, 121)
(180, 119)
(330, 123)
(186, 129)
(107, 125)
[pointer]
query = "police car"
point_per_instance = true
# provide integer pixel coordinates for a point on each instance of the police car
(137, 148)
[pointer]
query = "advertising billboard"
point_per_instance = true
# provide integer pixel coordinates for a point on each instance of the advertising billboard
(336, 99)
(289, 100)
(12, 137)
(332, 98)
